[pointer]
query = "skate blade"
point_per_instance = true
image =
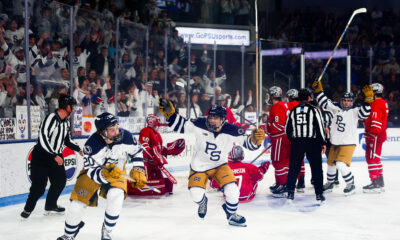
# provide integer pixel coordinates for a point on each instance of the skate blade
(328, 191)
(279, 195)
(300, 190)
(321, 203)
(372, 191)
(350, 193)
(238, 224)
(51, 213)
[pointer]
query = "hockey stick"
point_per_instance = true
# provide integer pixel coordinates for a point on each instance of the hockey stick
(265, 150)
(360, 10)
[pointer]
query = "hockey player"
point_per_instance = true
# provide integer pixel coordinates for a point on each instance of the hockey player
(343, 134)
(214, 138)
(154, 157)
(375, 135)
(292, 95)
(280, 150)
(247, 175)
(105, 155)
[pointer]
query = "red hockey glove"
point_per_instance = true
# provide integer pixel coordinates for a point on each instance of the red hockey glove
(176, 147)
(264, 167)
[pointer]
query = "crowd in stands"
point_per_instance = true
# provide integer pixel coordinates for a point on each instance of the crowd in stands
(94, 56)
(315, 29)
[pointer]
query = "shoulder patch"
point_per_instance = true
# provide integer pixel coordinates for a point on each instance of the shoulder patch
(87, 150)
(200, 123)
(231, 129)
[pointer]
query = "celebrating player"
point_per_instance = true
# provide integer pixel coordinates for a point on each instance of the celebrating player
(280, 151)
(105, 156)
(154, 157)
(214, 138)
(247, 175)
(375, 135)
(343, 134)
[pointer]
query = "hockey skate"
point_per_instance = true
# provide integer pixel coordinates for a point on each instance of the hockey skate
(105, 234)
(300, 185)
(65, 237)
(54, 211)
(280, 192)
(202, 211)
(374, 187)
(274, 187)
(234, 219)
(381, 183)
(328, 187)
(350, 189)
(336, 182)
(25, 215)
(320, 199)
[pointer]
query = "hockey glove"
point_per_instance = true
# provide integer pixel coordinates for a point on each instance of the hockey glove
(137, 173)
(166, 107)
(111, 173)
(257, 136)
(264, 167)
(317, 86)
(368, 94)
(174, 148)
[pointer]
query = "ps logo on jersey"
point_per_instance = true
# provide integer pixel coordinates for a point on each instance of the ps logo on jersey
(215, 155)
(70, 161)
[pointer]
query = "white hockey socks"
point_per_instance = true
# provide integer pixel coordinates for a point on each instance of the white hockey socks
(232, 194)
(197, 194)
(331, 173)
(74, 217)
(346, 173)
(115, 200)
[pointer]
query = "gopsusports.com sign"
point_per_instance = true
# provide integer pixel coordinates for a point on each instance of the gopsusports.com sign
(70, 161)
(230, 37)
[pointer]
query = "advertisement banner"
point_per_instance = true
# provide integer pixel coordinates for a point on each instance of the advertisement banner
(229, 37)
(22, 121)
(77, 121)
(7, 129)
(88, 127)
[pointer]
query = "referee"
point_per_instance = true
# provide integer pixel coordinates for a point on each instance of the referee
(47, 160)
(305, 130)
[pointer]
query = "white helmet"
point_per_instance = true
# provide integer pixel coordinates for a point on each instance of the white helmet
(292, 93)
(275, 92)
(377, 88)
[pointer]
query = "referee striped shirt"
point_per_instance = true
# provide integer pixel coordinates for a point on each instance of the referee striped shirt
(305, 122)
(54, 134)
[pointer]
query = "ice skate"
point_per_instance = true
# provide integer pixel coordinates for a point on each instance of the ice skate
(374, 187)
(320, 199)
(105, 234)
(25, 215)
(350, 189)
(381, 183)
(300, 185)
(202, 211)
(234, 219)
(65, 237)
(274, 187)
(280, 192)
(328, 187)
(54, 211)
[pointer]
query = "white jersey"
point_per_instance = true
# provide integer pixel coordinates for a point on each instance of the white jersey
(97, 153)
(343, 130)
(210, 149)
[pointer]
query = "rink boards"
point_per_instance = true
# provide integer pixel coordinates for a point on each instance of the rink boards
(15, 162)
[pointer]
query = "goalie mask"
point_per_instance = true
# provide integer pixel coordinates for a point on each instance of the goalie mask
(237, 153)
(274, 92)
(212, 121)
(346, 101)
(104, 121)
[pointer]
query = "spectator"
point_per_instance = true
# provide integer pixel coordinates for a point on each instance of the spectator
(122, 108)
(53, 101)
(133, 101)
(211, 82)
(227, 9)
(103, 64)
(378, 68)
(242, 14)
(173, 89)
(392, 65)
(82, 96)
(80, 59)
(195, 110)
(204, 102)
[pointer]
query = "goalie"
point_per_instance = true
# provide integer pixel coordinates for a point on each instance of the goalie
(154, 154)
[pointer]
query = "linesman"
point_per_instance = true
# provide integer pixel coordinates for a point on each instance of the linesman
(47, 160)
(305, 130)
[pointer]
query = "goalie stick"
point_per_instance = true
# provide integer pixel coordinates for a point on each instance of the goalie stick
(357, 11)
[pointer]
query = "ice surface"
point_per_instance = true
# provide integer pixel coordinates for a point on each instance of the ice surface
(360, 216)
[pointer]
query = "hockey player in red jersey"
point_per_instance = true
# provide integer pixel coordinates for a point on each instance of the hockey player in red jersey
(280, 151)
(247, 175)
(375, 135)
(154, 155)
(292, 96)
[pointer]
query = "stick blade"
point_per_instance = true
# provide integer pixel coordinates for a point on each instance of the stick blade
(360, 10)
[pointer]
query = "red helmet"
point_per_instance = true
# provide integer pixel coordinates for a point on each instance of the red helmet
(153, 121)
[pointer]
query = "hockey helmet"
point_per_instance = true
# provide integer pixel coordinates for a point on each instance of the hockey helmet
(216, 111)
(219, 99)
(65, 100)
(105, 120)
(153, 121)
(346, 96)
(292, 94)
(237, 153)
(377, 88)
(304, 93)
(275, 92)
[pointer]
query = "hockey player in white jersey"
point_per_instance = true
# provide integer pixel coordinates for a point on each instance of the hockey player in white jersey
(343, 135)
(214, 139)
(105, 156)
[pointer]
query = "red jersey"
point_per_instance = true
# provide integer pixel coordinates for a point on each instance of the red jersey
(376, 121)
(277, 119)
(149, 138)
(292, 104)
(247, 175)
(230, 118)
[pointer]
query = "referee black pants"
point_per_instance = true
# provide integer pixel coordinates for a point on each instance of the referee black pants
(312, 150)
(40, 174)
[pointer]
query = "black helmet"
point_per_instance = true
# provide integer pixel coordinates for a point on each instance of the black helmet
(105, 120)
(347, 95)
(217, 111)
(304, 93)
(65, 100)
